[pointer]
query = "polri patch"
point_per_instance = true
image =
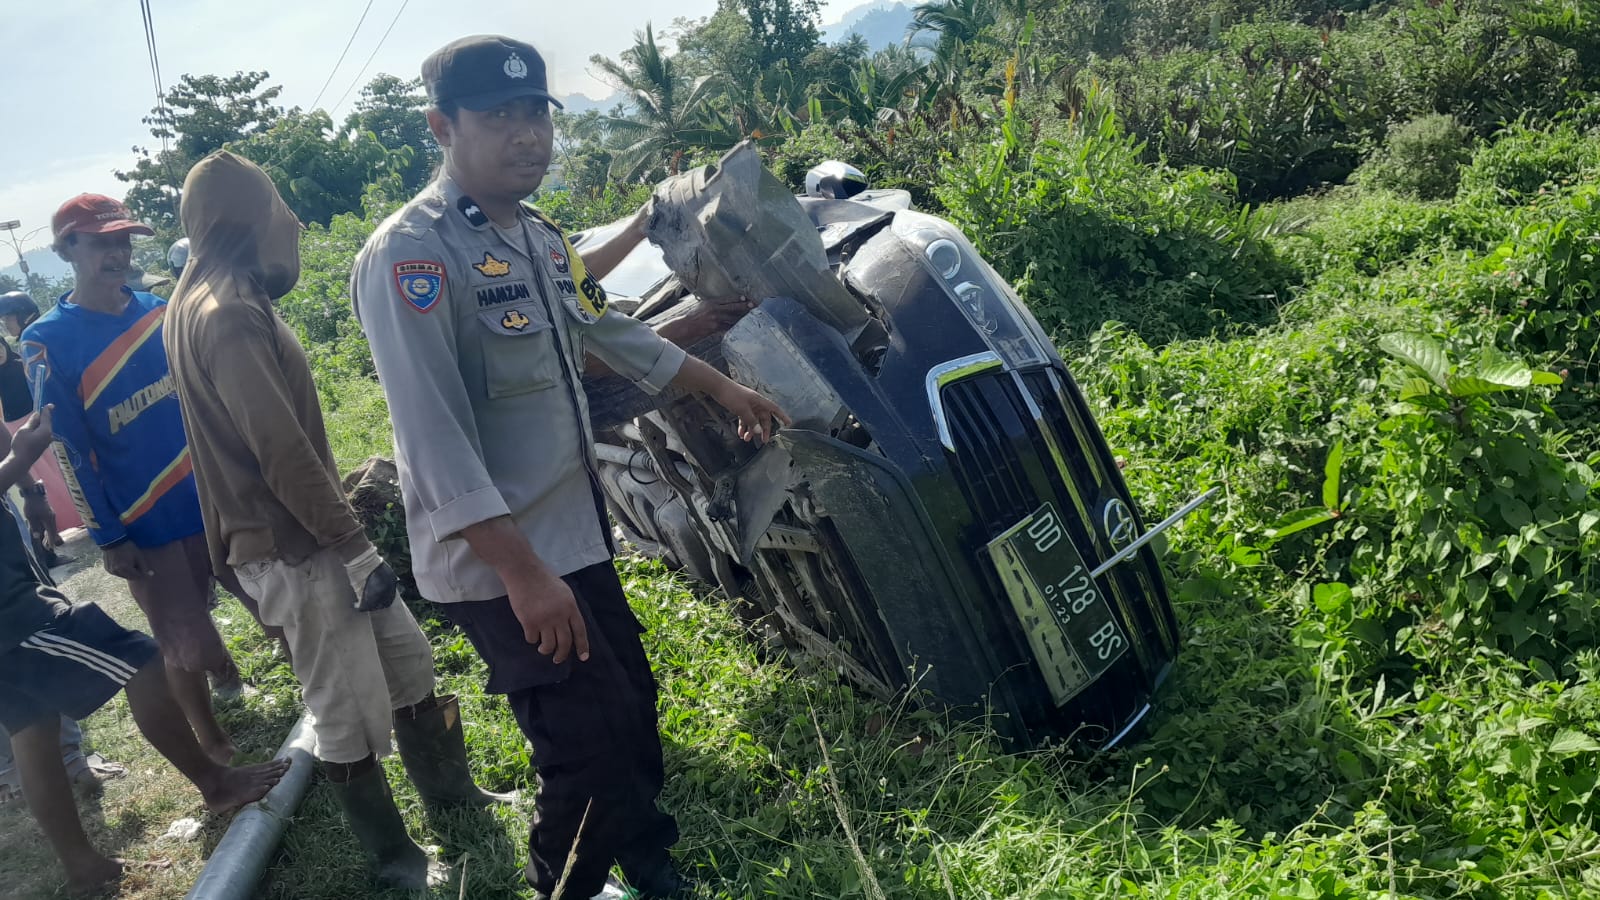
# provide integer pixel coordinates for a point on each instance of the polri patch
(560, 260)
(420, 282)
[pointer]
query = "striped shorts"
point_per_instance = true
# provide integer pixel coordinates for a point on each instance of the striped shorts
(71, 667)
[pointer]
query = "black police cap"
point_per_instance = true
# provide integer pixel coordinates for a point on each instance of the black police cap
(483, 71)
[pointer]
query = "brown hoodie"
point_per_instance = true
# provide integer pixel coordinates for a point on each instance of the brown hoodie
(269, 488)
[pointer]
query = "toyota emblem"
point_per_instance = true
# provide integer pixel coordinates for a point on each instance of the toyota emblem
(1116, 522)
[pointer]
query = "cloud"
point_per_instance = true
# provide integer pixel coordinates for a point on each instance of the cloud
(36, 198)
(83, 120)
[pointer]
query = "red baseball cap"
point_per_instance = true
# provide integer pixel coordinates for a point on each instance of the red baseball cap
(94, 214)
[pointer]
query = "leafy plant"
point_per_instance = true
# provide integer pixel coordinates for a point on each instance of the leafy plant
(1421, 158)
(1522, 162)
(1087, 232)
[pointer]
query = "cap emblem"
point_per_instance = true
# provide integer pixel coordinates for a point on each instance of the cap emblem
(515, 67)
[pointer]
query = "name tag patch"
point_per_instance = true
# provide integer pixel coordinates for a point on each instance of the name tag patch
(510, 292)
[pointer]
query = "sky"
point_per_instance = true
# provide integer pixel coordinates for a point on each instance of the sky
(76, 81)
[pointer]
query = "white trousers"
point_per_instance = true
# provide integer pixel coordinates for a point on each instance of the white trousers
(355, 668)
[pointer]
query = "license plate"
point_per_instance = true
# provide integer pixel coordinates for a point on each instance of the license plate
(1069, 624)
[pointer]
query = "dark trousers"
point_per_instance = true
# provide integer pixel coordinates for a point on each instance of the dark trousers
(593, 729)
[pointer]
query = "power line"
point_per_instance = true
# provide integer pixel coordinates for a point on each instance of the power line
(342, 53)
(155, 70)
(370, 57)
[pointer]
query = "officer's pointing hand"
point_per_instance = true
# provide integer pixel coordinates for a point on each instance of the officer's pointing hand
(758, 416)
(549, 616)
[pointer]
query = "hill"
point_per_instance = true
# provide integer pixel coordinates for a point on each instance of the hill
(881, 23)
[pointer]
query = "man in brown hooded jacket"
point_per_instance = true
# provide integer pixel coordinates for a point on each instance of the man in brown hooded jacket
(275, 511)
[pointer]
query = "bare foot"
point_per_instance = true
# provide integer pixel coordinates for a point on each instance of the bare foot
(92, 875)
(230, 689)
(221, 753)
(96, 877)
(234, 787)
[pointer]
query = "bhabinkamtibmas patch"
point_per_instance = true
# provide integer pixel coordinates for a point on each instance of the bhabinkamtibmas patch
(588, 303)
(420, 282)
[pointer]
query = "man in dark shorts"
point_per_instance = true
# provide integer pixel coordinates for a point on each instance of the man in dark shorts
(59, 658)
(85, 769)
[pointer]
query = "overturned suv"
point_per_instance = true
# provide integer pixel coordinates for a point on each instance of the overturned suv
(944, 511)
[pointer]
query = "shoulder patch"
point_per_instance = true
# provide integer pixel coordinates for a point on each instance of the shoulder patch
(420, 282)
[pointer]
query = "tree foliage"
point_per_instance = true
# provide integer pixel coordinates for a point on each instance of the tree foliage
(201, 113)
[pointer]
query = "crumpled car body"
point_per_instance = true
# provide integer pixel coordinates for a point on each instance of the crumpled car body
(943, 516)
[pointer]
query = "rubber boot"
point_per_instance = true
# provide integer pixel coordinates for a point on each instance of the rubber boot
(369, 807)
(434, 751)
(655, 877)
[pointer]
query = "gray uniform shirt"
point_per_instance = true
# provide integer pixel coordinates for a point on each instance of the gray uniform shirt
(479, 340)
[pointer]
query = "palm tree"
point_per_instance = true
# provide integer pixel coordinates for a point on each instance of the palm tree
(872, 96)
(670, 116)
(955, 22)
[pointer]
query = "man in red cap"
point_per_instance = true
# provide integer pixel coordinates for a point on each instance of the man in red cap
(98, 356)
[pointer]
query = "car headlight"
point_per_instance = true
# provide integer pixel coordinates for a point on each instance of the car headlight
(976, 289)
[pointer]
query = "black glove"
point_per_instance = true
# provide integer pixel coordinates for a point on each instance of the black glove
(382, 587)
(374, 583)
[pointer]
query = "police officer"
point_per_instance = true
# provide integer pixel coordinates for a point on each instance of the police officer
(479, 313)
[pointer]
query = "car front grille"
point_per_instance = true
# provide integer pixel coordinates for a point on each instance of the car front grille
(982, 413)
(1014, 451)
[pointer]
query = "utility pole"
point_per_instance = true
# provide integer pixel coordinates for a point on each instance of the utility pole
(10, 228)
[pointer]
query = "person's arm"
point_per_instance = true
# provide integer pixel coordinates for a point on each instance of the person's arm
(414, 351)
(631, 349)
(599, 259)
(242, 364)
(541, 601)
(73, 449)
(758, 416)
(28, 445)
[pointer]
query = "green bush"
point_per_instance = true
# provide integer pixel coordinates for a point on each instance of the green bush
(1264, 106)
(1522, 162)
(1421, 158)
(577, 210)
(1466, 58)
(904, 154)
(790, 160)
(1087, 232)
(319, 307)
(1369, 233)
